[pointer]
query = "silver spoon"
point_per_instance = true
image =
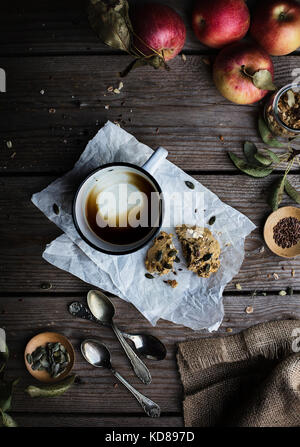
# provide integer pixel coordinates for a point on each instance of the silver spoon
(145, 344)
(98, 355)
(103, 310)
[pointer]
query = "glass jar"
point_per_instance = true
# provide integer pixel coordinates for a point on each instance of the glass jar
(277, 120)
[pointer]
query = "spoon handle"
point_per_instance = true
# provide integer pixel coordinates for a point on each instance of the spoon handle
(150, 407)
(139, 367)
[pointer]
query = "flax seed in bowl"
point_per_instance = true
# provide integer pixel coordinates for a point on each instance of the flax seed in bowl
(282, 232)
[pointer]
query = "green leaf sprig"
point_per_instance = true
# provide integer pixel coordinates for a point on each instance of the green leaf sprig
(6, 393)
(110, 20)
(261, 164)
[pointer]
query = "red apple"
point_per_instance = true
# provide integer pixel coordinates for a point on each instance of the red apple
(276, 26)
(217, 23)
(229, 72)
(159, 27)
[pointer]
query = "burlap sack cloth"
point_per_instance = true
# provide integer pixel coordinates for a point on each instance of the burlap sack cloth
(251, 379)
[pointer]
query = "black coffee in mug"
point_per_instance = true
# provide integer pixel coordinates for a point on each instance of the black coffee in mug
(122, 207)
(118, 208)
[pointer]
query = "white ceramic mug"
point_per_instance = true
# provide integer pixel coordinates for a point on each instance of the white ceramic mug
(111, 175)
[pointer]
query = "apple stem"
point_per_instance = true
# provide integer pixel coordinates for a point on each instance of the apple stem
(246, 72)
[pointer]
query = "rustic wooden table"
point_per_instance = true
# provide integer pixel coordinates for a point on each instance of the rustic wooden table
(48, 46)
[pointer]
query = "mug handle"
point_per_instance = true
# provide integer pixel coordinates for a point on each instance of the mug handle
(156, 158)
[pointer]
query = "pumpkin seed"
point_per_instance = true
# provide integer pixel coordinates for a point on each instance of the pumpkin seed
(56, 209)
(172, 253)
(29, 358)
(167, 265)
(207, 257)
(276, 194)
(189, 184)
(35, 365)
(158, 255)
(207, 267)
(291, 191)
(267, 135)
(177, 259)
(149, 276)
(253, 171)
(46, 285)
(212, 220)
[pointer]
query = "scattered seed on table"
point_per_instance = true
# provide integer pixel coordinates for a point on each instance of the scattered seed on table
(9, 144)
(249, 310)
(238, 287)
(282, 293)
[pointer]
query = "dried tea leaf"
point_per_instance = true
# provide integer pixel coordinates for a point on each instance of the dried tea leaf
(291, 191)
(262, 159)
(253, 171)
(50, 390)
(263, 80)
(276, 193)
(266, 134)
(110, 20)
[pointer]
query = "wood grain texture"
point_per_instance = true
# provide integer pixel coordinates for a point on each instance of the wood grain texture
(97, 393)
(180, 110)
(62, 27)
(85, 420)
(26, 231)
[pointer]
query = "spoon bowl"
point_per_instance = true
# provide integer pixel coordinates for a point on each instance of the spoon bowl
(96, 353)
(148, 346)
(101, 306)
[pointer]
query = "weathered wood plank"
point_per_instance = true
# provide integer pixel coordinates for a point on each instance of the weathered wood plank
(25, 232)
(62, 27)
(74, 421)
(180, 110)
(23, 317)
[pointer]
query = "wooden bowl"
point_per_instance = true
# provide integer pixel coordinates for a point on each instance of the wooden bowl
(41, 340)
(273, 219)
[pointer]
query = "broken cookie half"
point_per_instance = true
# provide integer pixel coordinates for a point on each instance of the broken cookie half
(161, 256)
(200, 249)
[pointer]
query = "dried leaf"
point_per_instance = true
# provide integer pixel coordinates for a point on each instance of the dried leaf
(253, 171)
(110, 20)
(262, 79)
(266, 134)
(276, 194)
(291, 191)
(50, 390)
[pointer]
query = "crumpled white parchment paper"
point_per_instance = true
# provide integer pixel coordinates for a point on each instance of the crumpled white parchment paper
(196, 302)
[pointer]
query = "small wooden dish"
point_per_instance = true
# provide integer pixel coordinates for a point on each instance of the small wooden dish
(273, 219)
(41, 340)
